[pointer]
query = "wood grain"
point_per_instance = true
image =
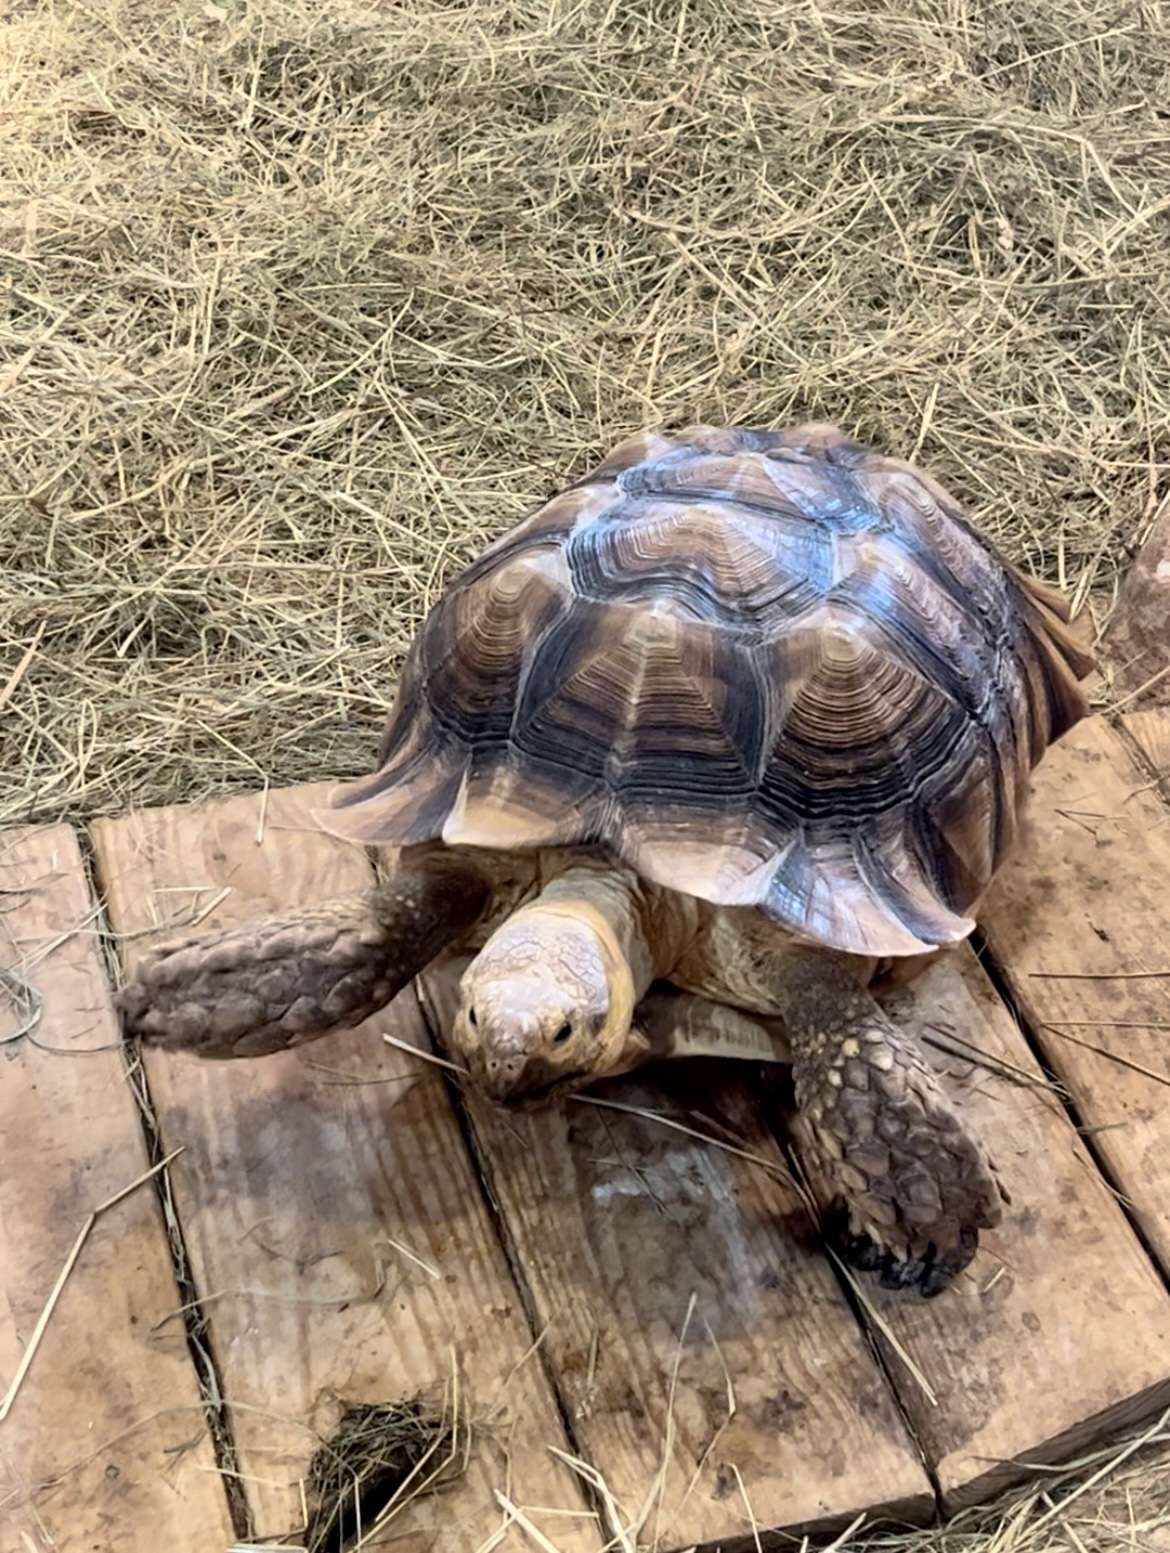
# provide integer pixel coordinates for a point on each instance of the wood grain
(1075, 923)
(105, 1446)
(1058, 1335)
(617, 1222)
(299, 1185)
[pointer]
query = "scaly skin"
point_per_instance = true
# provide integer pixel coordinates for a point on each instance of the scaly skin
(882, 1134)
(268, 985)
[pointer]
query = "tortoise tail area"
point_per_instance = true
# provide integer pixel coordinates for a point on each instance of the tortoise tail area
(1061, 662)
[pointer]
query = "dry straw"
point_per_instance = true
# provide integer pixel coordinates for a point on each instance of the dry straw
(299, 305)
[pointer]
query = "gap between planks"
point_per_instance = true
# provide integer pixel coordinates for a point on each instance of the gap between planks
(437, 1043)
(200, 1347)
(106, 1441)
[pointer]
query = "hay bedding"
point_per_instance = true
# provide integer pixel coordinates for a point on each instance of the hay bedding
(300, 305)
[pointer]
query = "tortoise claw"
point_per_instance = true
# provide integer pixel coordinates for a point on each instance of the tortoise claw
(930, 1271)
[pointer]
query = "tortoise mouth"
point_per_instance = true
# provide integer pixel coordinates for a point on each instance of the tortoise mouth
(540, 1096)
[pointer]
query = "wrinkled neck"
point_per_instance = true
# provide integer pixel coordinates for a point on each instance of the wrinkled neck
(646, 926)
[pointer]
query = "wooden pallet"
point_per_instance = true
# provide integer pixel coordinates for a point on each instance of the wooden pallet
(603, 1285)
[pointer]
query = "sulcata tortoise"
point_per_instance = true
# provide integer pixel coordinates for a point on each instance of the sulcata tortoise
(739, 723)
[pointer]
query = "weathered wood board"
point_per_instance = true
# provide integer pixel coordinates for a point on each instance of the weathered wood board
(335, 1224)
(618, 1223)
(1077, 924)
(1013, 1363)
(105, 1445)
(1059, 1332)
(602, 1283)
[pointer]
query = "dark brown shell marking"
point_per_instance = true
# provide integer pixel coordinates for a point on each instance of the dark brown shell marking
(768, 669)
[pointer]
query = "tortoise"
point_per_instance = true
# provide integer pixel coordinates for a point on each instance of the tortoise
(733, 729)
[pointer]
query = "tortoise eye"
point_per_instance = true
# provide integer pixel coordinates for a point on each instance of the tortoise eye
(472, 1019)
(562, 1035)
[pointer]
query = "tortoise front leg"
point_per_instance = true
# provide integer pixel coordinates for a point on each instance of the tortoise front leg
(880, 1131)
(267, 985)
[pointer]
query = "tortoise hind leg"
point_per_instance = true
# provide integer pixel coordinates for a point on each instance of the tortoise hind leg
(276, 983)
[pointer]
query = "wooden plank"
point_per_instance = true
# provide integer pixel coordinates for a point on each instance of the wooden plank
(298, 1184)
(1059, 1333)
(1076, 923)
(618, 1223)
(105, 1445)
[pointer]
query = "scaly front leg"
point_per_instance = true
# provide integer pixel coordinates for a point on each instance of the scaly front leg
(267, 985)
(882, 1133)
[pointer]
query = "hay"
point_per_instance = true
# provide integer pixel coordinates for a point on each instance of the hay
(1111, 1501)
(377, 1450)
(299, 306)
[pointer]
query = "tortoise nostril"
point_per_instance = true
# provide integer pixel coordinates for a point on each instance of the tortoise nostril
(562, 1034)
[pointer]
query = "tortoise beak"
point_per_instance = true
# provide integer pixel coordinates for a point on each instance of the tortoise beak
(511, 1077)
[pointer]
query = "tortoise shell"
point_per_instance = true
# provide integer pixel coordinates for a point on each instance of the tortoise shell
(769, 669)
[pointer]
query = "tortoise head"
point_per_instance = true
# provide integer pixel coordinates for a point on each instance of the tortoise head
(546, 1005)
